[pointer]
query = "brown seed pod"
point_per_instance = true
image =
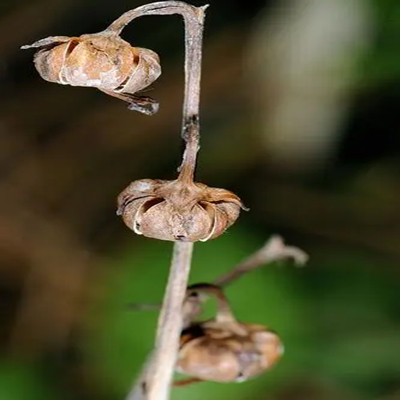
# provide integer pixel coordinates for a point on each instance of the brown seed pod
(225, 350)
(177, 210)
(101, 60)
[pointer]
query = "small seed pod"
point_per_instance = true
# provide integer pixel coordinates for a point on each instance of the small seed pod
(101, 60)
(225, 350)
(177, 210)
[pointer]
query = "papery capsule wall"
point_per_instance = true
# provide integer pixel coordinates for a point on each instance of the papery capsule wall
(103, 60)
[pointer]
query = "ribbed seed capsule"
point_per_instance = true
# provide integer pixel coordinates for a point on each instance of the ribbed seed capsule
(224, 352)
(101, 60)
(223, 349)
(177, 210)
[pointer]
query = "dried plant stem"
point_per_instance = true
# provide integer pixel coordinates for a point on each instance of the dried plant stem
(170, 324)
(155, 380)
(194, 19)
(273, 250)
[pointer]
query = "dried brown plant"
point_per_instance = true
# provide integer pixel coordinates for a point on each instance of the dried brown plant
(181, 210)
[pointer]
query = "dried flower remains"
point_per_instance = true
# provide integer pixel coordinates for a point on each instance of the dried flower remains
(223, 349)
(177, 210)
(101, 60)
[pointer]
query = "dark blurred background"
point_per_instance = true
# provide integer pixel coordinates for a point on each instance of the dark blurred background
(300, 117)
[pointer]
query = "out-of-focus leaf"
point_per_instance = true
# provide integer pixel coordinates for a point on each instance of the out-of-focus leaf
(22, 382)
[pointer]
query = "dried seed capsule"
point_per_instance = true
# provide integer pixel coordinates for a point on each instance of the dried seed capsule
(177, 210)
(223, 349)
(222, 352)
(101, 60)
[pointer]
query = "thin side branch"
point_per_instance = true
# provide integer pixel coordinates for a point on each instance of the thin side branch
(273, 250)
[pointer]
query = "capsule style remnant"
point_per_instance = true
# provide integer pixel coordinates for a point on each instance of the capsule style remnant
(225, 350)
(102, 60)
(177, 210)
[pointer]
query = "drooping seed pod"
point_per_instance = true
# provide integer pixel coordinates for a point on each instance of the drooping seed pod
(102, 60)
(177, 210)
(227, 353)
(225, 350)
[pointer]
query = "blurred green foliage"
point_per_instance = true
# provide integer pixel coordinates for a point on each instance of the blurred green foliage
(335, 317)
(382, 66)
(338, 318)
(24, 382)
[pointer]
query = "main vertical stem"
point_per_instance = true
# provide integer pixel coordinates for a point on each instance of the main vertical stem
(191, 101)
(155, 381)
(169, 324)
